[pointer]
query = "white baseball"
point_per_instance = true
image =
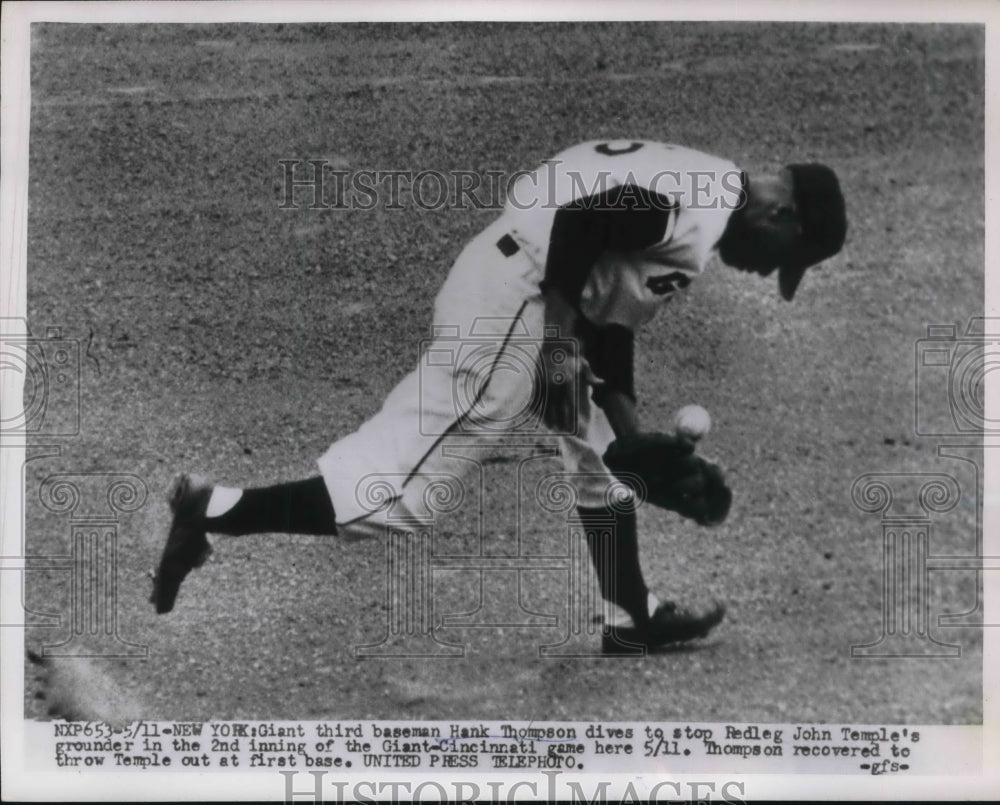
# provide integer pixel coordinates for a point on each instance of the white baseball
(692, 422)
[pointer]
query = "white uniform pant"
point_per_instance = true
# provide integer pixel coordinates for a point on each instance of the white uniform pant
(475, 383)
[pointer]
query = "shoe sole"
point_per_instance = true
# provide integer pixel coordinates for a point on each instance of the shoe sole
(174, 566)
(632, 643)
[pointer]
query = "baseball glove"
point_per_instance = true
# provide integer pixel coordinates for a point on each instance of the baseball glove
(663, 470)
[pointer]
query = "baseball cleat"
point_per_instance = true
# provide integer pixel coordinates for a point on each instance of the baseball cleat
(187, 547)
(669, 625)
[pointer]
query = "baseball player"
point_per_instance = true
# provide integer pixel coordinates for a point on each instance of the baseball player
(537, 318)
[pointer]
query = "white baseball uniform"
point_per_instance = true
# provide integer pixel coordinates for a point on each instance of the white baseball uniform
(619, 227)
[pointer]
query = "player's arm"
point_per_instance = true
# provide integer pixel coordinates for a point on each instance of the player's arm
(625, 218)
(610, 351)
(620, 410)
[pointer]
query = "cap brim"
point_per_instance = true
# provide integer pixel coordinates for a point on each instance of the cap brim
(789, 278)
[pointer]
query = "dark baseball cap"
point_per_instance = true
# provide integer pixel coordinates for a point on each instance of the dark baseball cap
(823, 217)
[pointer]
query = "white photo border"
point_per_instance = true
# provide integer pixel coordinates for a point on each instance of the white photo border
(15, 96)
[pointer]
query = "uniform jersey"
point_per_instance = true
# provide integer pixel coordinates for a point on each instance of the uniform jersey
(622, 226)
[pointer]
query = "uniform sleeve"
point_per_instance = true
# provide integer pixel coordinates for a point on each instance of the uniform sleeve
(624, 218)
(610, 351)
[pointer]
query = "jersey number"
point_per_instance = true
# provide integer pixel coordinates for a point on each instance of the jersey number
(668, 283)
(614, 149)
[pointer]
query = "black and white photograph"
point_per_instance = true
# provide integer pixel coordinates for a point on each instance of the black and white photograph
(526, 394)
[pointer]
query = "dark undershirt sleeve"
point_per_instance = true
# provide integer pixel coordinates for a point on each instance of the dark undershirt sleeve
(610, 351)
(624, 218)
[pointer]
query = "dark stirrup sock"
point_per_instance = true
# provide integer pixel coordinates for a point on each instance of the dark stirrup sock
(300, 507)
(615, 554)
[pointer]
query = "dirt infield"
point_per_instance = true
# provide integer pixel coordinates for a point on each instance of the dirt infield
(225, 335)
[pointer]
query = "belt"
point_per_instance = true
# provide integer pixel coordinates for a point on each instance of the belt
(508, 246)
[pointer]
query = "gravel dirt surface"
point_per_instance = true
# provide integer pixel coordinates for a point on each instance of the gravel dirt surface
(224, 335)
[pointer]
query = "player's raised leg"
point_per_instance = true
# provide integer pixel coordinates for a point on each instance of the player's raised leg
(398, 451)
(300, 507)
